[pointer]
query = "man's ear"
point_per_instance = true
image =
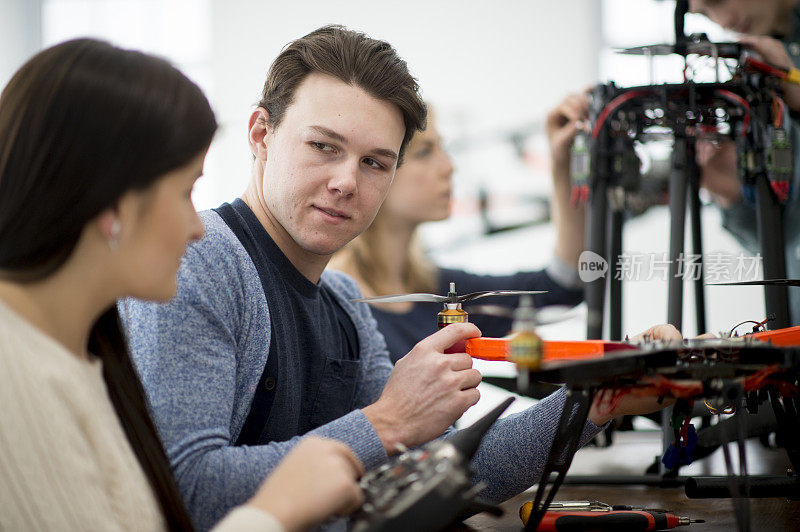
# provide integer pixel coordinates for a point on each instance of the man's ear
(258, 129)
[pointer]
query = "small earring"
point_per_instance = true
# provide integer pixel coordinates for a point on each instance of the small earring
(113, 240)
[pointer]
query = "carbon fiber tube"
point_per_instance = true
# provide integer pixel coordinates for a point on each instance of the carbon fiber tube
(758, 486)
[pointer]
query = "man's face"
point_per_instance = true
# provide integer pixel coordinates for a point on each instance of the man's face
(329, 163)
(756, 17)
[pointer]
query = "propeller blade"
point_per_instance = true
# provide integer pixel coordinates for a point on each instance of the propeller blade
(404, 298)
(699, 47)
(765, 282)
(477, 295)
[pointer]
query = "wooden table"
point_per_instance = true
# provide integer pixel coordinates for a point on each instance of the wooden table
(766, 514)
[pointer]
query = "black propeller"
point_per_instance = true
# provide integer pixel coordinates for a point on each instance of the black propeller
(764, 282)
(451, 297)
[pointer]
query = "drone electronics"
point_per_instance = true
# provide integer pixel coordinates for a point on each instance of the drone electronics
(746, 109)
(729, 374)
(426, 488)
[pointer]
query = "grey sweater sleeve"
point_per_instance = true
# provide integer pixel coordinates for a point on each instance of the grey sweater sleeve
(513, 452)
(200, 357)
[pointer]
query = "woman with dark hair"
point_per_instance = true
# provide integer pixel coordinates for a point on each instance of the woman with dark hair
(99, 150)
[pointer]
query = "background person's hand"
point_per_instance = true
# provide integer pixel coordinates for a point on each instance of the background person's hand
(317, 479)
(666, 332)
(563, 123)
(427, 391)
(606, 405)
(773, 51)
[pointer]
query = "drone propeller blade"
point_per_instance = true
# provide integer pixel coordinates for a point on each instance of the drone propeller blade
(478, 295)
(699, 47)
(403, 298)
(765, 282)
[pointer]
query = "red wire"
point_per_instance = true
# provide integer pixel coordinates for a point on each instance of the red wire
(617, 396)
(664, 386)
(765, 67)
(684, 432)
(779, 112)
(611, 107)
(757, 379)
(728, 95)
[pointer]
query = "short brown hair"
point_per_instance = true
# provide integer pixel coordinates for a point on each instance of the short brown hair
(352, 57)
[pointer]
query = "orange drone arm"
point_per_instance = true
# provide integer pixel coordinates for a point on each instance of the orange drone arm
(779, 337)
(500, 348)
(487, 348)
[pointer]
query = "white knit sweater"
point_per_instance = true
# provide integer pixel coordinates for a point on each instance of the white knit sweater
(65, 462)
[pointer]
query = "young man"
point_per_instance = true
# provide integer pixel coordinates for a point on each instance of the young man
(260, 347)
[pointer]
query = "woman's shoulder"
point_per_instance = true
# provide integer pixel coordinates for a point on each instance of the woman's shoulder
(42, 378)
(27, 351)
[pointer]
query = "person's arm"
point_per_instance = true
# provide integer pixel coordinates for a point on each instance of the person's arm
(315, 481)
(562, 124)
(560, 278)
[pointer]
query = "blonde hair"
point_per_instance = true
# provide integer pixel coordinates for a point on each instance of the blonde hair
(361, 256)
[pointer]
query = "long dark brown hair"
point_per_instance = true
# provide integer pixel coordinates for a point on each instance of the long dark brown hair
(82, 123)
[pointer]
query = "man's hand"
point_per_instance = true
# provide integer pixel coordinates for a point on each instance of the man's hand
(603, 409)
(427, 391)
(317, 479)
(773, 52)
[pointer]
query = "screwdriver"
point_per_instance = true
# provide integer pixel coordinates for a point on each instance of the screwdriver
(606, 520)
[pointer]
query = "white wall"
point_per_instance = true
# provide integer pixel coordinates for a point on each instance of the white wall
(20, 34)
